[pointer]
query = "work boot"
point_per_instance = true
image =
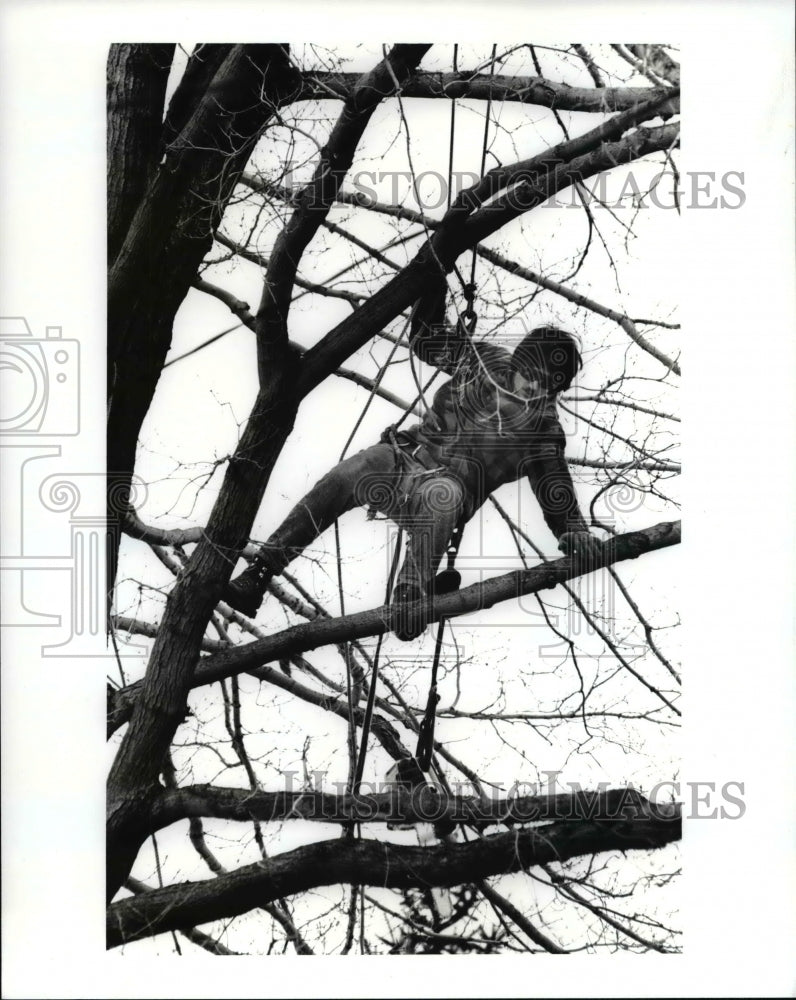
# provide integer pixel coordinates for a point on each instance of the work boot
(447, 581)
(410, 611)
(245, 593)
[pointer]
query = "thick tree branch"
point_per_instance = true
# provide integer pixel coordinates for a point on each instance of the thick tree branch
(368, 862)
(479, 87)
(241, 310)
(590, 65)
(133, 526)
(171, 232)
(210, 944)
(323, 632)
(159, 710)
(458, 235)
(509, 586)
(135, 626)
(374, 804)
(531, 192)
(534, 167)
(222, 126)
(359, 200)
(313, 202)
(136, 88)
(204, 62)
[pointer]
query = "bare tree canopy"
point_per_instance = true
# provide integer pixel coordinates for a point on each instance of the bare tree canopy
(334, 190)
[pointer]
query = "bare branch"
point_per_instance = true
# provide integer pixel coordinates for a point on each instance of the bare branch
(301, 638)
(193, 935)
(510, 910)
(590, 65)
(659, 61)
(427, 804)
(579, 299)
(511, 89)
(313, 202)
(451, 240)
(369, 862)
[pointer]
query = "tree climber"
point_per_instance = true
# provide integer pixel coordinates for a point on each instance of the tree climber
(491, 423)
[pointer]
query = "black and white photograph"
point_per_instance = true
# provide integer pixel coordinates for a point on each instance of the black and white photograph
(393, 360)
(396, 393)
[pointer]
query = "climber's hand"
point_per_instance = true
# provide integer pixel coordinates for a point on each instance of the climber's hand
(581, 546)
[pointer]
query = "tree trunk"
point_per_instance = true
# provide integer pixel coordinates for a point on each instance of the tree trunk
(172, 231)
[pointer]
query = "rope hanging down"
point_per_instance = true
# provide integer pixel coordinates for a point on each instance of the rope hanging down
(445, 583)
(374, 674)
(412, 770)
(468, 317)
(450, 579)
(483, 151)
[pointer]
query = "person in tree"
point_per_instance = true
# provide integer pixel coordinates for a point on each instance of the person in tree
(492, 422)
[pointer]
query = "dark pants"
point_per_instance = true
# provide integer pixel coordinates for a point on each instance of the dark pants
(426, 503)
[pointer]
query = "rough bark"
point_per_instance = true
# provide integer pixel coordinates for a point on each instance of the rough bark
(136, 87)
(368, 862)
(171, 232)
(171, 666)
(479, 87)
(203, 64)
(428, 804)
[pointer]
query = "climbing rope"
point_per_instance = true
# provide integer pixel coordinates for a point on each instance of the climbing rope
(445, 583)
(338, 548)
(452, 127)
(484, 146)
(450, 579)
(374, 674)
